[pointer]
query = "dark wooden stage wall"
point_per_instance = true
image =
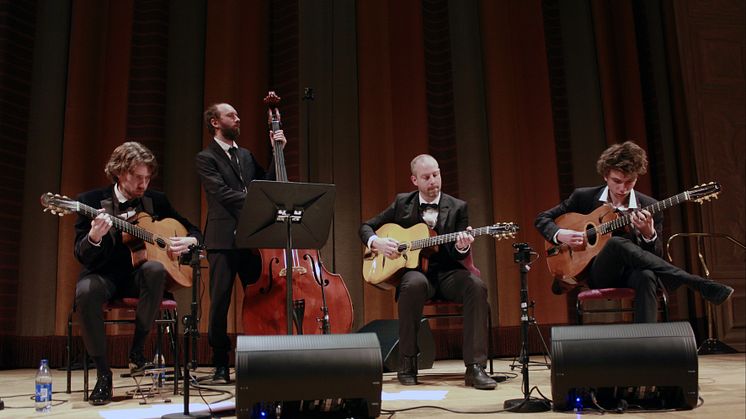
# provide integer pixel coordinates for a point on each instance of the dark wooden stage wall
(515, 98)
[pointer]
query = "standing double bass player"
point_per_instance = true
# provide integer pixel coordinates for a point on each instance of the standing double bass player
(225, 170)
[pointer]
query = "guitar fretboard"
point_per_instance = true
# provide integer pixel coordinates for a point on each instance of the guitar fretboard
(120, 224)
(626, 219)
(451, 237)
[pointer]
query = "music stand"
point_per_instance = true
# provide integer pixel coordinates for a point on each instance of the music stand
(286, 215)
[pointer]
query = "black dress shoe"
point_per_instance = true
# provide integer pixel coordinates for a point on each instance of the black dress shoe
(138, 363)
(221, 376)
(407, 374)
(477, 378)
(101, 393)
(715, 292)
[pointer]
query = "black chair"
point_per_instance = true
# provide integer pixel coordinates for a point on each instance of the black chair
(168, 319)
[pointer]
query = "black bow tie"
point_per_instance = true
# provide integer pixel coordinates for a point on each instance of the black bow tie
(424, 206)
(132, 203)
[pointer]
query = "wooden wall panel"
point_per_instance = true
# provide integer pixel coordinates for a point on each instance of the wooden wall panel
(712, 47)
(39, 234)
(17, 27)
(330, 150)
(95, 117)
(392, 113)
(236, 72)
(524, 171)
(183, 115)
(471, 136)
(619, 73)
(146, 100)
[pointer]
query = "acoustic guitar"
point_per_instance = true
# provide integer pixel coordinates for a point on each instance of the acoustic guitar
(383, 272)
(146, 238)
(566, 263)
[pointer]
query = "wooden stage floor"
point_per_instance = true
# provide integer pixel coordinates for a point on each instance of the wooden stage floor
(722, 383)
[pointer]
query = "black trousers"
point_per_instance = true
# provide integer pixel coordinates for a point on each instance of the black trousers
(224, 265)
(624, 264)
(457, 285)
(92, 291)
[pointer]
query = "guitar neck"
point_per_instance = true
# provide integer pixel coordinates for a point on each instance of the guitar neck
(626, 219)
(120, 224)
(446, 238)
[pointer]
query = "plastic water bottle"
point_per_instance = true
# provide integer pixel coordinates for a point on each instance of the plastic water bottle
(43, 400)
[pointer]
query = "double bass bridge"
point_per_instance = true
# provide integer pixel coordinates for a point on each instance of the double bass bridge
(300, 270)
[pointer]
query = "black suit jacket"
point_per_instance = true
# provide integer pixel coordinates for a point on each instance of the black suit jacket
(113, 258)
(405, 211)
(225, 191)
(584, 201)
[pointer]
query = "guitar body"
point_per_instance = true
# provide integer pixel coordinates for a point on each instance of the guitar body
(566, 263)
(383, 272)
(178, 275)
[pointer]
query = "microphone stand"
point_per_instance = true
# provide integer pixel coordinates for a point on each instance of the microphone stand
(191, 258)
(527, 404)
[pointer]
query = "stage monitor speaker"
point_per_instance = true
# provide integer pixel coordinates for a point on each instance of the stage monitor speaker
(388, 335)
(308, 375)
(653, 365)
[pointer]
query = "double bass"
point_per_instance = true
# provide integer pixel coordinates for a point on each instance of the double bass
(321, 301)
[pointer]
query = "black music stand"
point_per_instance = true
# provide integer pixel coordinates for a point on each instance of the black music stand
(286, 215)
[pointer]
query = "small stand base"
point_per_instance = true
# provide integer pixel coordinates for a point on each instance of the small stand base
(714, 346)
(529, 405)
(145, 391)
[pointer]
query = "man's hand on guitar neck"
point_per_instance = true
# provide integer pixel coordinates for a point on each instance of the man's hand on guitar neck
(644, 223)
(388, 246)
(464, 241)
(100, 226)
(574, 239)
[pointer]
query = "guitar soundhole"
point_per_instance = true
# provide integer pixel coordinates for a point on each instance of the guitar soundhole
(161, 243)
(590, 234)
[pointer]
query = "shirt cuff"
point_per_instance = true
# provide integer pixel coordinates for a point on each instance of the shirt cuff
(93, 243)
(655, 236)
(370, 240)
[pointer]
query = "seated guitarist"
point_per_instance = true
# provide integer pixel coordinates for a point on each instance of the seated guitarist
(446, 277)
(108, 272)
(629, 259)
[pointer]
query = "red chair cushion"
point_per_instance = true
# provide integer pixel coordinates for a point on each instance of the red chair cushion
(606, 294)
(131, 303)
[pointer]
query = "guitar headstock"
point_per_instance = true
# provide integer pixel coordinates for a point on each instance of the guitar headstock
(704, 192)
(57, 204)
(503, 230)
